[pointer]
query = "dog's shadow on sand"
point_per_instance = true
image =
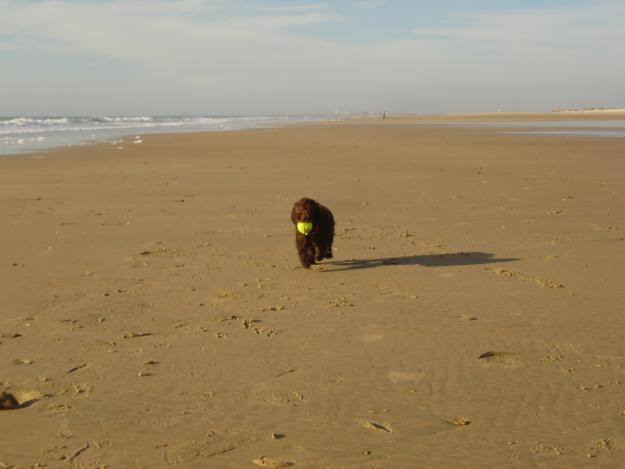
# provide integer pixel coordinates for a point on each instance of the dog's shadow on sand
(427, 260)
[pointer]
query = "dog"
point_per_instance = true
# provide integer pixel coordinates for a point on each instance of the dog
(314, 231)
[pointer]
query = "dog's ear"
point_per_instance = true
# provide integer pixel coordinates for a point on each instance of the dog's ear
(295, 211)
(313, 210)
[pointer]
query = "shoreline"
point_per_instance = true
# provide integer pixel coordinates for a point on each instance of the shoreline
(25, 135)
(475, 118)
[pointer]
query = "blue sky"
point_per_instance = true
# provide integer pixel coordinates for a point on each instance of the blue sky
(233, 57)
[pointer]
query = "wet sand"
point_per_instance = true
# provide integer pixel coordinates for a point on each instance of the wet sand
(153, 312)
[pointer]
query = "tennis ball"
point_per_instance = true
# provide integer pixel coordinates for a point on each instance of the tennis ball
(304, 227)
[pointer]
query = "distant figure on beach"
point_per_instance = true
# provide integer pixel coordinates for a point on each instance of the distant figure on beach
(384, 115)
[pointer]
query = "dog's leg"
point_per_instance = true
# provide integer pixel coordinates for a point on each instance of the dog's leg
(307, 257)
(319, 252)
(323, 251)
(305, 251)
(328, 253)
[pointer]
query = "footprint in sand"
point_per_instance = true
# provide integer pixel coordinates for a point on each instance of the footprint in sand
(265, 461)
(603, 227)
(521, 276)
(551, 258)
(81, 389)
(188, 451)
(409, 377)
(340, 302)
(67, 453)
(275, 395)
(547, 283)
(542, 448)
(502, 359)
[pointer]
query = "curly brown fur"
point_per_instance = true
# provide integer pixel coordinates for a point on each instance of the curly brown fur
(317, 245)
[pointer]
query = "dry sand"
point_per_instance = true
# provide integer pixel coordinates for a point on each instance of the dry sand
(153, 313)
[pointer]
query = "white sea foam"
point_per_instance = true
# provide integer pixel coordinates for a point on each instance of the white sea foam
(22, 134)
(24, 125)
(123, 119)
(29, 121)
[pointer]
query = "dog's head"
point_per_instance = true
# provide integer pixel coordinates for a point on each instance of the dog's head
(305, 210)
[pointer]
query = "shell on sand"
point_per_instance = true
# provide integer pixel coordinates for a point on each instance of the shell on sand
(18, 399)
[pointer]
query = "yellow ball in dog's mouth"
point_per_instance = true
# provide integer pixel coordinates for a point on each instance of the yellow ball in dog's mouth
(304, 227)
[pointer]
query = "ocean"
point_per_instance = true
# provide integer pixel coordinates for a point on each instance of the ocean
(33, 134)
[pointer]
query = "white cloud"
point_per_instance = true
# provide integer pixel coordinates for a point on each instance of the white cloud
(227, 57)
(148, 32)
(573, 27)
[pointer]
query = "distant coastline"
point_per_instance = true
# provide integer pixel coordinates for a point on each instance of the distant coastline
(591, 110)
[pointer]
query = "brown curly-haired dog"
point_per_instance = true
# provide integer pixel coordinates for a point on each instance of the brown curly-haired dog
(317, 244)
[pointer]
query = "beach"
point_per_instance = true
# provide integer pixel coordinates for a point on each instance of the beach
(153, 311)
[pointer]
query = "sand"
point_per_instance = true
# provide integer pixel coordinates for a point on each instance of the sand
(153, 312)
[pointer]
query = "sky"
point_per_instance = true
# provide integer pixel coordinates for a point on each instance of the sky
(253, 57)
